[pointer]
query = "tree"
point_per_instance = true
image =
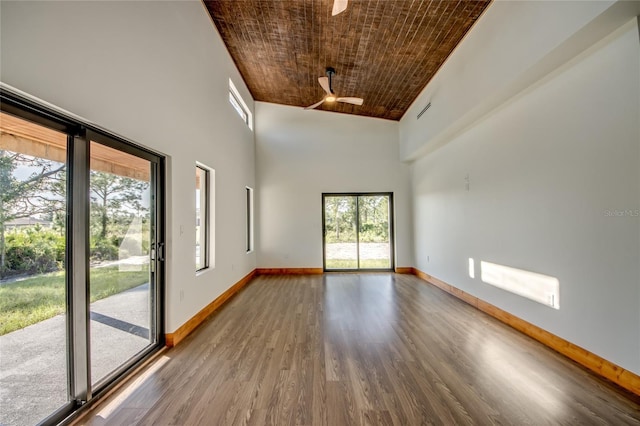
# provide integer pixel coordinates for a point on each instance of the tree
(114, 199)
(374, 214)
(32, 186)
(20, 198)
(340, 220)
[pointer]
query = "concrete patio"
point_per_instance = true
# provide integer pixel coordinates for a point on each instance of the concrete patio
(33, 364)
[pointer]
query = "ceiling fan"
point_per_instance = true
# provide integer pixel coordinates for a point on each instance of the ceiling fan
(326, 83)
(339, 6)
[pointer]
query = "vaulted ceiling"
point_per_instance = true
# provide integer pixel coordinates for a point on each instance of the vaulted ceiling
(384, 51)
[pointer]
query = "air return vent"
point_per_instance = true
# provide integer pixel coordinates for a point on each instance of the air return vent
(424, 110)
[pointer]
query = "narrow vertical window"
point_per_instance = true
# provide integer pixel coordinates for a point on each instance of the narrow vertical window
(249, 241)
(202, 218)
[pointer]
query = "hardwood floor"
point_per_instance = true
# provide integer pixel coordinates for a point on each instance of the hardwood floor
(361, 349)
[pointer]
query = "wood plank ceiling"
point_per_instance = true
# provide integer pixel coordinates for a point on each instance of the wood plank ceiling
(384, 51)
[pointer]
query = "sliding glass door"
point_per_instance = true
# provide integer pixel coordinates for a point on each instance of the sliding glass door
(357, 231)
(81, 261)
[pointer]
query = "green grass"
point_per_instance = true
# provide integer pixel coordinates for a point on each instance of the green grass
(35, 299)
(353, 264)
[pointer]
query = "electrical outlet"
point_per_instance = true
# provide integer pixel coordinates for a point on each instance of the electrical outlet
(181, 295)
(428, 259)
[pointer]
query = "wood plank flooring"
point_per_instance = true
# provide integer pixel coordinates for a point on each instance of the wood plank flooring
(361, 349)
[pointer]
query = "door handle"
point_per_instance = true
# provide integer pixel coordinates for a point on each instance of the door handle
(161, 252)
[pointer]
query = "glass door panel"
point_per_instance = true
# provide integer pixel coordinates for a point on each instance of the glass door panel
(33, 294)
(121, 287)
(341, 244)
(374, 248)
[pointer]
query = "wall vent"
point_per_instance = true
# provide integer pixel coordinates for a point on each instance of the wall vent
(424, 110)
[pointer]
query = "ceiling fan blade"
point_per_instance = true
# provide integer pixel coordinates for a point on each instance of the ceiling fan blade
(354, 101)
(324, 82)
(339, 6)
(317, 104)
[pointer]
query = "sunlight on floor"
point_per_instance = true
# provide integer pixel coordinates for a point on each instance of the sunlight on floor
(129, 389)
(532, 385)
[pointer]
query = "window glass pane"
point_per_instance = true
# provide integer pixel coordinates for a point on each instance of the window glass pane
(374, 240)
(202, 213)
(119, 238)
(341, 244)
(33, 203)
(238, 107)
(249, 231)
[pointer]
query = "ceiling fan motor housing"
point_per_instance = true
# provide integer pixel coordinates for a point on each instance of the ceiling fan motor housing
(330, 73)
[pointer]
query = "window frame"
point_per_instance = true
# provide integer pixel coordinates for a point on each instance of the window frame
(249, 242)
(391, 218)
(233, 100)
(234, 95)
(205, 219)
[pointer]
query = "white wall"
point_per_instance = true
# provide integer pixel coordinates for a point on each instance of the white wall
(544, 169)
(300, 155)
(156, 73)
(513, 44)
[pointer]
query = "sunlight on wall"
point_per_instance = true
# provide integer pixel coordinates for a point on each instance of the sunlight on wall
(472, 268)
(537, 287)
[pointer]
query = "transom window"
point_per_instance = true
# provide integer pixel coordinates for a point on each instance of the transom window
(240, 105)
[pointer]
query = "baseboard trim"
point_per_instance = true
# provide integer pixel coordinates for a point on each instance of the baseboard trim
(288, 271)
(172, 339)
(610, 371)
(593, 362)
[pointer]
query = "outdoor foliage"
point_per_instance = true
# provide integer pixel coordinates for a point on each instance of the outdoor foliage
(115, 203)
(32, 187)
(35, 188)
(340, 219)
(34, 251)
(38, 193)
(103, 249)
(115, 200)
